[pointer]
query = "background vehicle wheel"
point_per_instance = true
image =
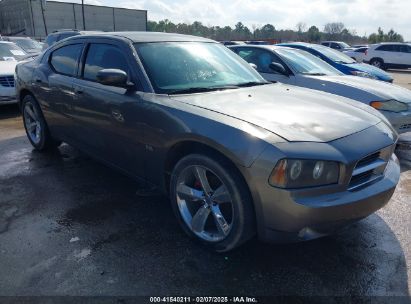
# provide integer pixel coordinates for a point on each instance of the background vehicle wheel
(35, 125)
(212, 202)
(377, 63)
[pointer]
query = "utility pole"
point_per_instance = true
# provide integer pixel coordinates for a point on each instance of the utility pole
(43, 4)
(84, 19)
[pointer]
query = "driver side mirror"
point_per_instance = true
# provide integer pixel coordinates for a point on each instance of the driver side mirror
(114, 77)
(278, 68)
(254, 66)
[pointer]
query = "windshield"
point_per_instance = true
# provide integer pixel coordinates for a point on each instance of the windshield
(184, 67)
(343, 44)
(11, 52)
(333, 55)
(27, 44)
(304, 63)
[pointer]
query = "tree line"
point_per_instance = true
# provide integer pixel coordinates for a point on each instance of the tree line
(331, 31)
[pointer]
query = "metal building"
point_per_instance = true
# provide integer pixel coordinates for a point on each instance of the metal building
(37, 18)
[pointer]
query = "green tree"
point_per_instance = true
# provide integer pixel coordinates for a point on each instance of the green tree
(313, 34)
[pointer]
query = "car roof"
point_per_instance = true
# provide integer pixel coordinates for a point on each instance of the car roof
(390, 43)
(148, 37)
(305, 44)
(6, 42)
(261, 46)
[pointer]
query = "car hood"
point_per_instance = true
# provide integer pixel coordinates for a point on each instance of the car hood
(7, 67)
(382, 90)
(295, 114)
(363, 67)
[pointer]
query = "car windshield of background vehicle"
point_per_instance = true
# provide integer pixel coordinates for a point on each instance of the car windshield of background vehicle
(28, 44)
(333, 55)
(11, 52)
(344, 45)
(189, 67)
(307, 64)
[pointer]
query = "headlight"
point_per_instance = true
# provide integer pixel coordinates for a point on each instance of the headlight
(298, 173)
(363, 74)
(389, 105)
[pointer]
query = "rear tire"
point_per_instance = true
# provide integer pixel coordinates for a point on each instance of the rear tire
(378, 63)
(36, 127)
(223, 218)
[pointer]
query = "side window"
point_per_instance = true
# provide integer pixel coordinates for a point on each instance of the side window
(103, 56)
(64, 60)
(387, 48)
(361, 50)
(405, 49)
(335, 46)
(261, 58)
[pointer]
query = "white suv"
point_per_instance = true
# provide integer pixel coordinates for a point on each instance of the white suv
(389, 55)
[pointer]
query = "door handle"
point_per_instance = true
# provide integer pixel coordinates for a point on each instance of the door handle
(78, 91)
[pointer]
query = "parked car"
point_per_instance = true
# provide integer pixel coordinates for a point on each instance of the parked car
(336, 45)
(30, 46)
(58, 35)
(389, 55)
(237, 155)
(357, 54)
(357, 46)
(300, 68)
(226, 43)
(10, 55)
(341, 62)
(254, 42)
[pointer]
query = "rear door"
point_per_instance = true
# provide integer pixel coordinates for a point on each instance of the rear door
(53, 86)
(108, 117)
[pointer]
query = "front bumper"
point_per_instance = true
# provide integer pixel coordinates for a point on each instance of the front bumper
(318, 216)
(8, 100)
(400, 121)
(296, 215)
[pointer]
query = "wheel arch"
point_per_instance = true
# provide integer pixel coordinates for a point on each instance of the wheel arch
(22, 94)
(377, 58)
(187, 147)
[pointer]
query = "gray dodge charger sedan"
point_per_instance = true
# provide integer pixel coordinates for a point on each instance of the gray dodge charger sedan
(238, 156)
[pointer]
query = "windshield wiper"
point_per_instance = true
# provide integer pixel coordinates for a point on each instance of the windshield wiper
(252, 84)
(202, 89)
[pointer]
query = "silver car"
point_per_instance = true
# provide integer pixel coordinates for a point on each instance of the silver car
(237, 155)
(300, 68)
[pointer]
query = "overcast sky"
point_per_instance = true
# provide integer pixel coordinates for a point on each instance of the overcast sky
(362, 15)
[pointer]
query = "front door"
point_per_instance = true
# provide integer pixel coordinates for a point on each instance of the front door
(107, 116)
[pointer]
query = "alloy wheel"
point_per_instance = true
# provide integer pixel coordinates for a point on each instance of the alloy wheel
(205, 203)
(32, 122)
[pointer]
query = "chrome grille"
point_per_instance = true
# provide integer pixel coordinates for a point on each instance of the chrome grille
(7, 81)
(370, 168)
(406, 126)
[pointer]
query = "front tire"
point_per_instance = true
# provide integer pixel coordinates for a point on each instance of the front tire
(36, 127)
(377, 62)
(211, 202)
